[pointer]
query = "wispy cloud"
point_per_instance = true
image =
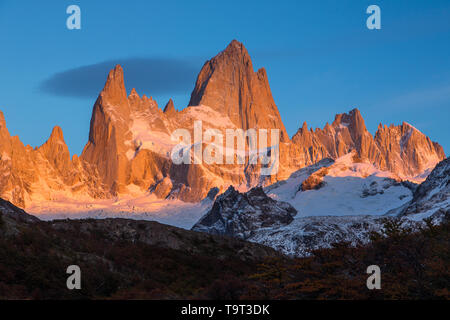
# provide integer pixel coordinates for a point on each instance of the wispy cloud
(422, 98)
(151, 76)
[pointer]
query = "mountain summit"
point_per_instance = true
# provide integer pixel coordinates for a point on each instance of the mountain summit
(114, 91)
(228, 84)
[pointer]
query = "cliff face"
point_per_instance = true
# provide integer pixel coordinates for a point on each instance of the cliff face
(115, 142)
(433, 195)
(228, 84)
(407, 151)
(108, 130)
(130, 144)
(43, 173)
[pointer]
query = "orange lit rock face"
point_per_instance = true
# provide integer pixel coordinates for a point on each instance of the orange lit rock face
(43, 172)
(403, 149)
(228, 84)
(129, 145)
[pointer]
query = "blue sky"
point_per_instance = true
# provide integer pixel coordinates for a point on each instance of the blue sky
(320, 59)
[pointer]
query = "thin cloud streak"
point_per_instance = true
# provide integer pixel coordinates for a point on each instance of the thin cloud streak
(420, 98)
(152, 76)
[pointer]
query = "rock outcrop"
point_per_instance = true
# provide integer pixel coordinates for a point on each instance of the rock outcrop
(240, 214)
(432, 197)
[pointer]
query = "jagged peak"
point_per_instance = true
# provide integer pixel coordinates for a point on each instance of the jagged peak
(353, 120)
(409, 126)
(55, 147)
(114, 90)
(2, 121)
(169, 108)
(302, 130)
(262, 73)
(352, 114)
(57, 134)
(237, 55)
(338, 118)
(228, 84)
(355, 111)
(305, 126)
(230, 190)
(115, 75)
(235, 47)
(133, 93)
(405, 127)
(56, 139)
(380, 126)
(235, 44)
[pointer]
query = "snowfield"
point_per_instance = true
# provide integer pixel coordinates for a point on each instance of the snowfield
(310, 233)
(145, 207)
(349, 189)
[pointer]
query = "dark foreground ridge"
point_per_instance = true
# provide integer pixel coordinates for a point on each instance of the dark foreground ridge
(119, 258)
(130, 259)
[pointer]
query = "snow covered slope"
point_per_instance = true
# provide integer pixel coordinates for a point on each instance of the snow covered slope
(309, 233)
(346, 187)
(145, 207)
(432, 197)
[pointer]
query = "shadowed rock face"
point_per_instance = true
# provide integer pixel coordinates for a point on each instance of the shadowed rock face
(169, 109)
(407, 151)
(433, 195)
(239, 214)
(11, 212)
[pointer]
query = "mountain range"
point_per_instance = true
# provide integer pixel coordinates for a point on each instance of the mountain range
(128, 152)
